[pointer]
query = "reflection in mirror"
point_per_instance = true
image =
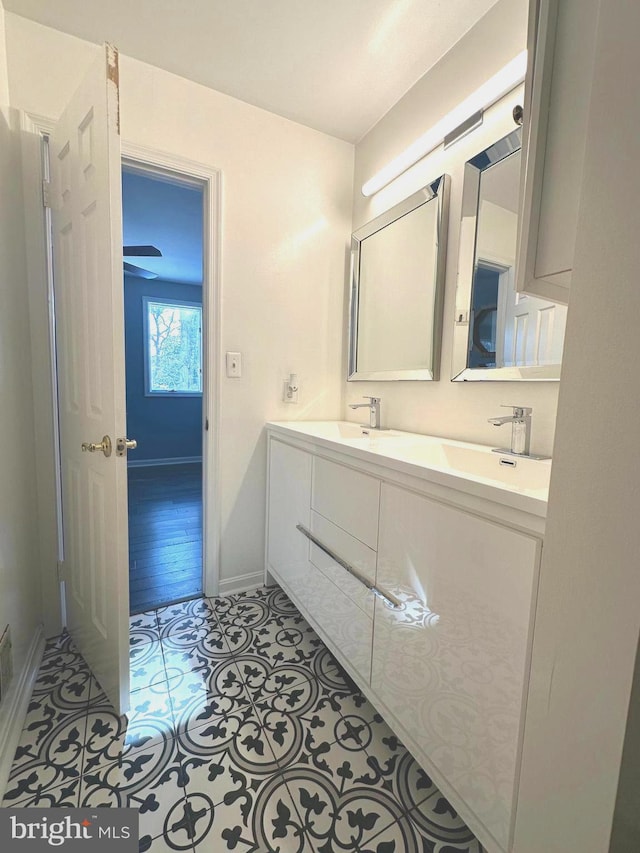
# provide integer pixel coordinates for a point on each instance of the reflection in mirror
(499, 333)
(397, 283)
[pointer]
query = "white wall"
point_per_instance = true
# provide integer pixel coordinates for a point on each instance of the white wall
(19, 570)
(4, 71)
(286, 222)
(588, 618)
(457, 410)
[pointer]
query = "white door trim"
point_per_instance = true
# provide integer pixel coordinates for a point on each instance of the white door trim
(43, 124)
(154, 160)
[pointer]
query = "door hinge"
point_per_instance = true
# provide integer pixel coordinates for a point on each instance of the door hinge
(46, 193)
(61, 571)
(206, 424)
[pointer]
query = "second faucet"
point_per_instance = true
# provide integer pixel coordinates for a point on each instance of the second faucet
(520, 421)
(374, 410)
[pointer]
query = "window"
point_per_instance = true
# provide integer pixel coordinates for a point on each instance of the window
(173, 347)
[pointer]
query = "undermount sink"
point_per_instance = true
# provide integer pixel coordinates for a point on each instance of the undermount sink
(514, 471)
(471, 467)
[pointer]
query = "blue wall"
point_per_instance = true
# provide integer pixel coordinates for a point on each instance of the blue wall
(166, 215)
(164, 428)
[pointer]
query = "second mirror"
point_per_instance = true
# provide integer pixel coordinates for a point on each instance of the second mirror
(499, 334)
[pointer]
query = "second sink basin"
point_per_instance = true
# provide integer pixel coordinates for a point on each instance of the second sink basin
(514, 471)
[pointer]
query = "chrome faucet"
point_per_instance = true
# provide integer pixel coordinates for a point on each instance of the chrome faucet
(374, 410)
(520, 421)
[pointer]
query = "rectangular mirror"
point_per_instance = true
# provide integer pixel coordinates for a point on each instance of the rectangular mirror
(499, 334)
(397, 289)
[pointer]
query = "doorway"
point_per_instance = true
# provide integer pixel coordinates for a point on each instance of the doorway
(75, 256)
(163, 232)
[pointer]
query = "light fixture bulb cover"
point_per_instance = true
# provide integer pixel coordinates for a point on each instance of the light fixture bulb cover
(506, 79)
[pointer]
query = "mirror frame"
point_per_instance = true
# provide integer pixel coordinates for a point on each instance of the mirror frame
(460, 372)
(438, 189)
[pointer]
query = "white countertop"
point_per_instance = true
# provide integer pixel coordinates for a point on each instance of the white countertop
(471, 468)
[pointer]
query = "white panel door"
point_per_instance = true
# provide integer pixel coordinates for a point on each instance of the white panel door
(533, 330)
(87, 240)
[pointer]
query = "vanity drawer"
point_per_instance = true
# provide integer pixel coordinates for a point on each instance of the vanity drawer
(345, 627)
(352, 551)
(347, 498)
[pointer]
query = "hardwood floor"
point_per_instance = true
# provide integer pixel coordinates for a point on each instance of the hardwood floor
(165, 535)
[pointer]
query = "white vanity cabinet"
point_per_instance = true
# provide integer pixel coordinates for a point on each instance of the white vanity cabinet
(450, 665)
(423, 586)
(561, 46)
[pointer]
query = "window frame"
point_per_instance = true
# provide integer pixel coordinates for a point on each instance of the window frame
(182, 303)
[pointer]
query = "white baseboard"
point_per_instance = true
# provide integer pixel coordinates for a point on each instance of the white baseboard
(15, 707)
(175, 460)
(241, 583)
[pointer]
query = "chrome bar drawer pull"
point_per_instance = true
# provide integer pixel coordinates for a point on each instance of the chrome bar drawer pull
(390, 599)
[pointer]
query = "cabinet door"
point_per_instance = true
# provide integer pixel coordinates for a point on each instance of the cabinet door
(289, 504)
(451, 664)
(561, 47)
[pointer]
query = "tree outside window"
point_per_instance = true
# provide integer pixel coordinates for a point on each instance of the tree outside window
(173, 347)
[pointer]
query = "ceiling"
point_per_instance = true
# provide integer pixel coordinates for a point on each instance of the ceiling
(167, 215)
(334, 65)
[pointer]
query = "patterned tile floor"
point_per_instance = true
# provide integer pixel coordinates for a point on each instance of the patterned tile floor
(244, 734)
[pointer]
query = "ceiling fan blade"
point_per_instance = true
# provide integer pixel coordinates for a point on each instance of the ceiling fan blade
(138, 272)
(141, 252)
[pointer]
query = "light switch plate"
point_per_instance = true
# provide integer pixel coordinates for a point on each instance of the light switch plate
(234, 365)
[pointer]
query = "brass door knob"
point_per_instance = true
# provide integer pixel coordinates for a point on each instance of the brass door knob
(124, 444)
(104, 446)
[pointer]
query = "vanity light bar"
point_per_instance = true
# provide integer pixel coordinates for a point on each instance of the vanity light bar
(463, 129)
(496, 87)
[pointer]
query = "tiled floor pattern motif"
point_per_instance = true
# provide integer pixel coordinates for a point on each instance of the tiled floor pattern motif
(244, 734)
